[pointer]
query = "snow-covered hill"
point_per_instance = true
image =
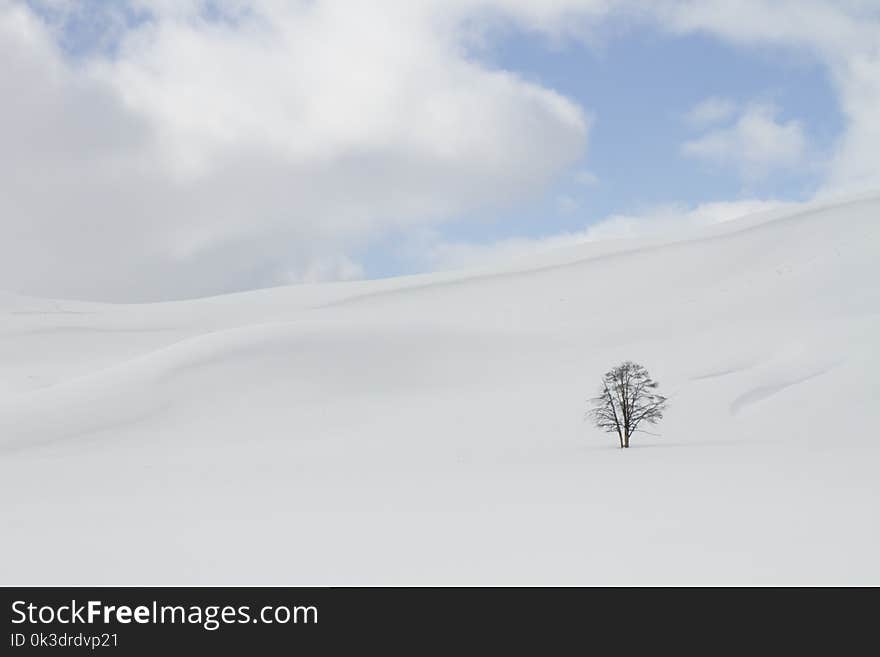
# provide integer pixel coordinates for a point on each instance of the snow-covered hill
(431, 429)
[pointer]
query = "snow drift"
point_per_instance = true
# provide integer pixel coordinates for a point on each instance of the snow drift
(430, 429)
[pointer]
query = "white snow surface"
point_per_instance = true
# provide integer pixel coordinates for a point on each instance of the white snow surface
(430, 429)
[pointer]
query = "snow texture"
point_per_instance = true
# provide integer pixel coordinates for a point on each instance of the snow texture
(430, 429)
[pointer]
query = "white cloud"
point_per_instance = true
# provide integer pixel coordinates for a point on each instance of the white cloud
(756, 145)
(193, 155)
(210, 154)
(711, 110)
(842, 34)
(855, 166)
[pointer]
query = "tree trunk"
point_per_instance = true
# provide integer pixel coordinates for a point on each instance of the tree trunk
(626, 442)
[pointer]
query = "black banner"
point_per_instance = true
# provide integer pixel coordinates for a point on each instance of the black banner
(325, 620)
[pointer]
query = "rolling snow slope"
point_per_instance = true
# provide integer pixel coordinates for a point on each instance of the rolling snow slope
(430, 429)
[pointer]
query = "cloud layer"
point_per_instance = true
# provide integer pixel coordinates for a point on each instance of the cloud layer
(842, 34)
(199, 147)
(756, 145)
(246, 148)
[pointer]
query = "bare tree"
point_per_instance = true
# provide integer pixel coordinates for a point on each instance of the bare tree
(628, 398)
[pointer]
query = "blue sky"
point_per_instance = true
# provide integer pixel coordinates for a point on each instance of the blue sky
(638, 86)
(205, 146)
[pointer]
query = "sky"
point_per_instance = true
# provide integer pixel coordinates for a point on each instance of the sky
(165, 149)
